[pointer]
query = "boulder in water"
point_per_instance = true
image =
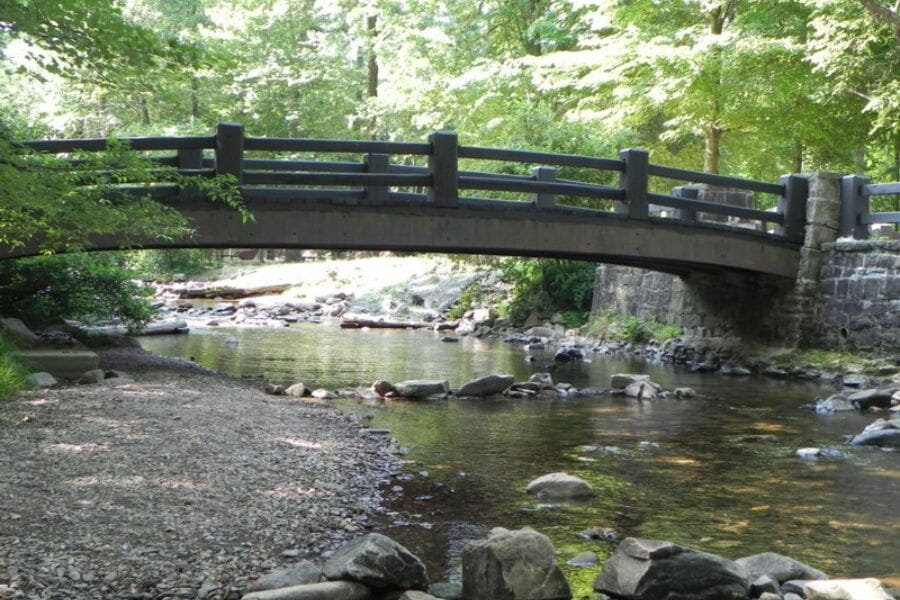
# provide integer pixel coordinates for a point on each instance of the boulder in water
(486, 386)
(421, 388)
(512, 565)
(560, 486)
(642, 569)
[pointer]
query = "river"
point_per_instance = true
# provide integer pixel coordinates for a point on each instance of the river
(718, 473)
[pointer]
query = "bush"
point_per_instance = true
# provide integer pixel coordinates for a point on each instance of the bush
(162, 264)
(12, 374)
(44, 290)
(549, 286)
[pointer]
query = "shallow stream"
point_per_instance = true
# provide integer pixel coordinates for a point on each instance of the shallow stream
(718, 473)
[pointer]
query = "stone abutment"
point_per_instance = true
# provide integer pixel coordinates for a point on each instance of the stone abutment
(846, 293)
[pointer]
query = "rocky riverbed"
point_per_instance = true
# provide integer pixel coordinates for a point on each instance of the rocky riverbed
(173, 482)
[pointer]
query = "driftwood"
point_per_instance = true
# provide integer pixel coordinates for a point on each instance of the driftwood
(232, 293)
(357, 323)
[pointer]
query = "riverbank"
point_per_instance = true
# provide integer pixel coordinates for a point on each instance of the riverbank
(435, 292)
(175, 483)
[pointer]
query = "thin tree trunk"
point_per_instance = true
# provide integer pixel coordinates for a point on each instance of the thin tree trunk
(798, 158)
(372, 76)
(145, 111)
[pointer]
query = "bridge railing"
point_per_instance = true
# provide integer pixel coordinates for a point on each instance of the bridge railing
(379, 178)
(856, 206)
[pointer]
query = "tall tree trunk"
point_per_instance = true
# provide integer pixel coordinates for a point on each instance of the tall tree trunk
(195, 100)
(712, 151)
(372, 70)
(145, 111)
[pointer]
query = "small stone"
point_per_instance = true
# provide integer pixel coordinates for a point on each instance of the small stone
(560, 486)
(297, 390)
(41, 380)
(321, 394)
(274, 389)
(842, 589)
(620, 381)
(585, 559)
(808, 452)
(92, 376)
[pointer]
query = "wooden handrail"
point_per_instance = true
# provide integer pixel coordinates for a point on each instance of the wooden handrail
(376, 181)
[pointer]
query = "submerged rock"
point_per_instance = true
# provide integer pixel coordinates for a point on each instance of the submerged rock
(512, 565)
(620, 381)
(642, 569)
(560, 486)
(421, 388)
(486, 386)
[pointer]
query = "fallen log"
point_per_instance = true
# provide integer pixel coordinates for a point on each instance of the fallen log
(232, 293)
(358, 323)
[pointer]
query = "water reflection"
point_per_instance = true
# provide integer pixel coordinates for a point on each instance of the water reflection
(718, 473)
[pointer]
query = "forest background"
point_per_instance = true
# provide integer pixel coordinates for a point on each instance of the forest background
(753, 88)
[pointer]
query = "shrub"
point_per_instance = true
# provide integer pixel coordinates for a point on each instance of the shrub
(44, 290)
(12, 374)
(548, 286)
(162, 264)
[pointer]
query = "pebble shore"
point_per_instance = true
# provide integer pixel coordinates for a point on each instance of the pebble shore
(180, 484)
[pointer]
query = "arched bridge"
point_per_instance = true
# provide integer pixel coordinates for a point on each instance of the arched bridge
(440, 196)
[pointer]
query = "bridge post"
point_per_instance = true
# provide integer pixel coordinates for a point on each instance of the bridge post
(544, 174)
(443, 165)
(230, 150)
(634, 182)
(854, 204)
(792, 205)
(376, 163)
(688, 215)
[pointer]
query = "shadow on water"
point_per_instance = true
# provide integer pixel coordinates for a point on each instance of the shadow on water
(718, 473)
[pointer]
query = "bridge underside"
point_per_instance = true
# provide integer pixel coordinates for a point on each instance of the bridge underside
(517, 230)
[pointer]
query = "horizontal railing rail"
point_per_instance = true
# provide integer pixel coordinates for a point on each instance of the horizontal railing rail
(856, 206)
(384, 172)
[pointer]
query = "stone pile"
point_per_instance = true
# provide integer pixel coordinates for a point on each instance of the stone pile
(522, 565)
(508, 565)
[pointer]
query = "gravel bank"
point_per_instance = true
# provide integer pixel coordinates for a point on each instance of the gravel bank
(183, 484)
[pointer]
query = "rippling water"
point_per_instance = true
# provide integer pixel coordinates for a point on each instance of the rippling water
(717, 473)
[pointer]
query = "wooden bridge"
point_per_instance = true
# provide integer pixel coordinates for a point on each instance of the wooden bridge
(439, 196)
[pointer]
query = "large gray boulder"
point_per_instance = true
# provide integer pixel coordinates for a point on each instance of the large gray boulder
(872, 397)
(327, 590)
(620, 381)
(779, 567)
(512, 565)
(378, 562)
(560, 486)
(301, 573)
(880, 433)
(486, 386)
(21, 335)
(846, 589)
(644, 569)
(421, 388)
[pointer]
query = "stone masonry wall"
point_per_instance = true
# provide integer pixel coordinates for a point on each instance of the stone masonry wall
(703, 305)
(860, 295)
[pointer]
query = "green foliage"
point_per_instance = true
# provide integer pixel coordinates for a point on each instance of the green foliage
(46, 289)
(609, 325)
(12, 374)
(467, 299)
(548, 286)
(162, 264)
